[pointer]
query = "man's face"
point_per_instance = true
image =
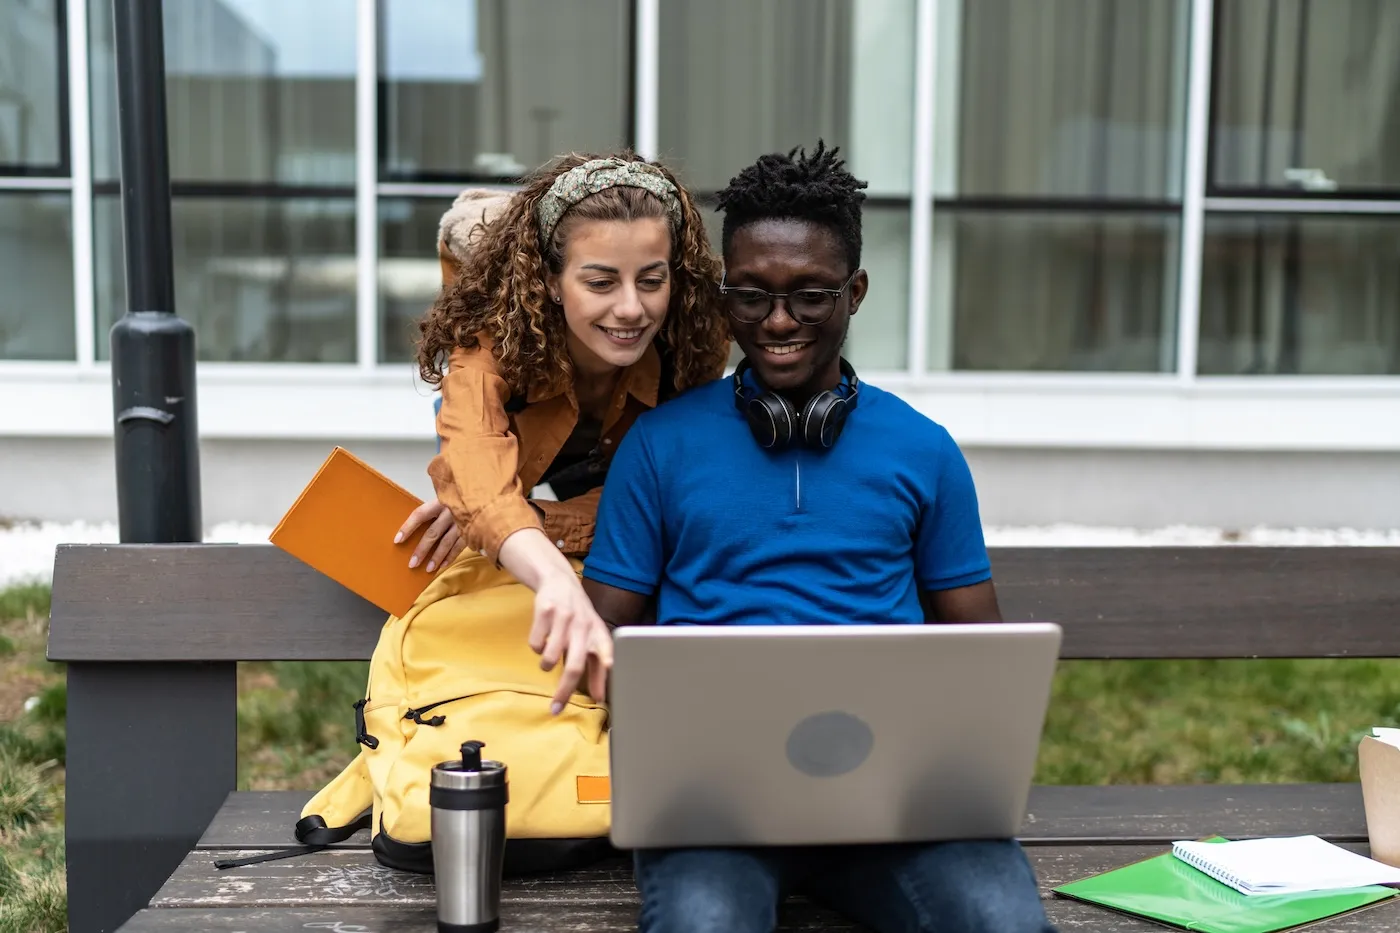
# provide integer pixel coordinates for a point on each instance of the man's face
(789, 357)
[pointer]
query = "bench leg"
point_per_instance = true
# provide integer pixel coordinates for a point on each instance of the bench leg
(152, 755)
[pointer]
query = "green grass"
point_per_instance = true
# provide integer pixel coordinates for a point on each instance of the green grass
(37, 737)
(24, 601)
(1110, 722)
(32, 752)
(23, 801)
(1206, 722)
(33, 896)
(296, 722)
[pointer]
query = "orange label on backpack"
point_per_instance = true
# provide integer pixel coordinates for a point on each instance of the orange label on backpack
(593, 789)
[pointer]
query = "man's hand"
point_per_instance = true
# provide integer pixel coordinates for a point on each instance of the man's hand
(441, 539)
(566, 626)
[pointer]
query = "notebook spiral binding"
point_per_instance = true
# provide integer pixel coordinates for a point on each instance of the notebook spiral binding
(1219, 874)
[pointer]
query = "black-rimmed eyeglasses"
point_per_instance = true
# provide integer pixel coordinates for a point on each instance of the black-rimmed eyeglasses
(810, 306)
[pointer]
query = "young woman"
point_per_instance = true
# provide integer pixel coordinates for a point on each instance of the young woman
(590, 297)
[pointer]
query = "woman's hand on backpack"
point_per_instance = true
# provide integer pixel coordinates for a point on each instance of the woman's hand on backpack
(566, 627)
(441, 539)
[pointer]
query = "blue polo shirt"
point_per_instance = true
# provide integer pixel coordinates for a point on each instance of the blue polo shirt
(725, 532)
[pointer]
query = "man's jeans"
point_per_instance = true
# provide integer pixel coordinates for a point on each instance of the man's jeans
(952, 887)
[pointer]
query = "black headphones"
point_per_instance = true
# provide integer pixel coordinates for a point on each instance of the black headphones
(775, 422)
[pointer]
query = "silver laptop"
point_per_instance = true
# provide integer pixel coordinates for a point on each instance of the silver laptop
(815, 735)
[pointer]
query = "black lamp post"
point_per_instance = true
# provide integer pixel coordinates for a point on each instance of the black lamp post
(153, 350)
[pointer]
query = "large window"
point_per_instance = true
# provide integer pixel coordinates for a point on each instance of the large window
(36, 227)
(1310, 295)
(261, 279)
(261, 113)
(1056, 290)
(33, 88)
(409, 272)
(36, 267)
(489, 89)
(474, 91)
(1032, 208)
(1058, 172)
(1307, 97)
(1301, 261)
(740, 78)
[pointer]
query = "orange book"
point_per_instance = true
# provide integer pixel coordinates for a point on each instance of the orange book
(343, 524)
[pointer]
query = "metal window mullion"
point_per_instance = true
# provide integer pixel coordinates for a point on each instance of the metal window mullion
(1289, 205)
(366, 179)
(80, 161)
(439, 190)
(646, 130)
(921, 210)
(34, 183)
(1188, 323)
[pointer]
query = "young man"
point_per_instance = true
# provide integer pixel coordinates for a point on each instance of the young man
(799, 495)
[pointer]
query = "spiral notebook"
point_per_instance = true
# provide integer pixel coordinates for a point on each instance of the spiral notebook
(1166, 890)
(1286, 865)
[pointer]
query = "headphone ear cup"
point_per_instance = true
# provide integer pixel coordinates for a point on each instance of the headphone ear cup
(772, 420)
(822, 419)
(812, 414)
(834, 421)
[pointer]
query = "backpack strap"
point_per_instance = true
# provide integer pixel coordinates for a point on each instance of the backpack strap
(312, 831)
(266, 857)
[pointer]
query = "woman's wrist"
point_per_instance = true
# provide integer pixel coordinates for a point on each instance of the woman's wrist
(533, 559)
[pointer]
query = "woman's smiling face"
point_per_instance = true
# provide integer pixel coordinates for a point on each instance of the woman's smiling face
(615, 288)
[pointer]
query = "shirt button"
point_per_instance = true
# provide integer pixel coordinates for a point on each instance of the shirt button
(607, 440)
(559, 544)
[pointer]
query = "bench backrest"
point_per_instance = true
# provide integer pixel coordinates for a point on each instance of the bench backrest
(208, 602)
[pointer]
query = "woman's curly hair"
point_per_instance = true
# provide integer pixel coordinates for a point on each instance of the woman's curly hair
(500, 292)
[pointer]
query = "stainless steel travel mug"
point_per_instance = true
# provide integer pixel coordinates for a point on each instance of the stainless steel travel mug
(468, 800)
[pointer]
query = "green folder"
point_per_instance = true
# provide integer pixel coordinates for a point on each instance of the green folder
(1171, 892)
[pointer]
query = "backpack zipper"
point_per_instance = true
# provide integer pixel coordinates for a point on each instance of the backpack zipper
(361, 731)
(417, 714)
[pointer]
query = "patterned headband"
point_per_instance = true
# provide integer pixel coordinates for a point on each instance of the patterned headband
(598, 175)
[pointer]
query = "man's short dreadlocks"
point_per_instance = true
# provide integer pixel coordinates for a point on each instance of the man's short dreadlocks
(816, 188)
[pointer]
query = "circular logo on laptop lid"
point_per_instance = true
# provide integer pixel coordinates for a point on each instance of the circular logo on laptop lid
(829, 744)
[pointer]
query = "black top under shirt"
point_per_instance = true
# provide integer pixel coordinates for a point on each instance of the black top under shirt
(580, 465)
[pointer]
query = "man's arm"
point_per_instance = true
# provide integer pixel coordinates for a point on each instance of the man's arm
(950, 553)
(975, 603)
(623, 569)
(618, 606)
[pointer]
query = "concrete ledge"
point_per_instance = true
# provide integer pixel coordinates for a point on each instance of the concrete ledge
(254, 481)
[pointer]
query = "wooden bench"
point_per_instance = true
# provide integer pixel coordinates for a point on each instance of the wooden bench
(151, 635)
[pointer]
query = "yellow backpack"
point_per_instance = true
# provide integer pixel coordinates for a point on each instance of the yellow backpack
(457, 667)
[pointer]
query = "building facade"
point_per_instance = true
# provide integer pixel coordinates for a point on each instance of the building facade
(1142, 257)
